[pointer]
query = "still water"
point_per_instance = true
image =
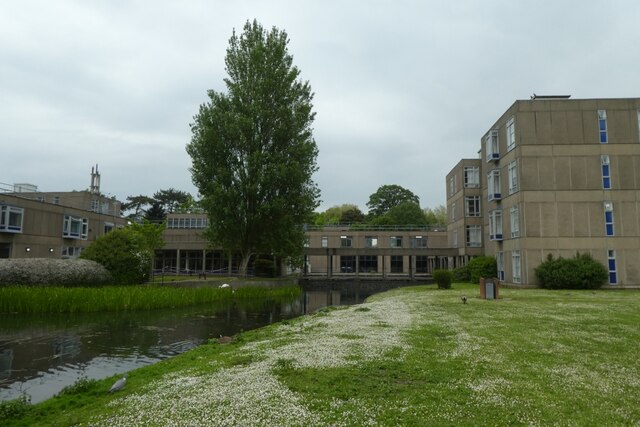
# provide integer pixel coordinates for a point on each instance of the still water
(40, 355)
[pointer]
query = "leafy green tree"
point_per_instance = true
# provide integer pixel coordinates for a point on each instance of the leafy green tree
(406, 213)
(170, 200)
(155, 213)
(387, 197)
(125, 253)
(436, 216)
(253, 151)
(340, 214)
(137, 204)
(352, 215)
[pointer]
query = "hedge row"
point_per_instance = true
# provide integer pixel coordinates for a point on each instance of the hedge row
(52, 272)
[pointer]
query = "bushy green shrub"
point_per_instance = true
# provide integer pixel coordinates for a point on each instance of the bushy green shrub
(482, 266)
(125, 253)
(462, 274)
(443, 278)
(579, 272)
(57, 272)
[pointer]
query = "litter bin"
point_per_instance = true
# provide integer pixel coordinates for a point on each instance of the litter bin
(489, 288)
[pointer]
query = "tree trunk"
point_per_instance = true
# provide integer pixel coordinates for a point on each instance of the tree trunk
(244, 265)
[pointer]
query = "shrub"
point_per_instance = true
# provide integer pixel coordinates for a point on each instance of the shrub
(125, 253)
(264, 268)
(443, 278)
(462, 274)
(482, 266)
(579, 272)
(58, 272)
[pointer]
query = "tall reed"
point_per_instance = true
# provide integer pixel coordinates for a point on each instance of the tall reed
(124, 298)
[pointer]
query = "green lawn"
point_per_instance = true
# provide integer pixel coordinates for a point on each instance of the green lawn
(412, 356)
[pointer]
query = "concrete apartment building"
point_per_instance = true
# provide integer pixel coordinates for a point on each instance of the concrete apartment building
(37, 224)
(558, 176)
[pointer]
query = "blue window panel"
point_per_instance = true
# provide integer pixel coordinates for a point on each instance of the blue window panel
(603, 137)
(612, 265)
(606, 183)
(608, 216)
(605, 170)
(609, 229)
(603, 125)
(613, 277)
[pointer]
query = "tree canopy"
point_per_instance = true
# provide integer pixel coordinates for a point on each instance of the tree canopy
(387, 197)
(252, 150)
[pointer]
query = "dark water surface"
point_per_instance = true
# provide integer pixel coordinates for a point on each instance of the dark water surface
(41, 354)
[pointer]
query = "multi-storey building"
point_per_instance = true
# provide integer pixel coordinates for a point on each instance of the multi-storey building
(559, 176)
(37, 224)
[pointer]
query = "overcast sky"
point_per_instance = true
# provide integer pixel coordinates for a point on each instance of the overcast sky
(403, 89)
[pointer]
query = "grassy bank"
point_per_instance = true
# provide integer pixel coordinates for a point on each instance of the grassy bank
(123, 298)
(412, 356)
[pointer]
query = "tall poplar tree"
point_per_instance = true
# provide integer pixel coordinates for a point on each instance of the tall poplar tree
(253, 150)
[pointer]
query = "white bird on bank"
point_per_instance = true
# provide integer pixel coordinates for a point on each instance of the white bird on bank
(118, 385)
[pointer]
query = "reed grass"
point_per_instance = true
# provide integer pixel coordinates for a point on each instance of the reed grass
(27, 300)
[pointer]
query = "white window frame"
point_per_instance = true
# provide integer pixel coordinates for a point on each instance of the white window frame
(453, 185)
(453, 212)
(514, 214)
(70, 222)
(395, 241)
(471, 177)
(71, 251)
(511, 134)
(324, 242)
(606, 175)
(516, 267)
(455, 238)
(108, 226)
(371, 241)
(346, 241)
(492, 145)
(473, 236)
(608, 209)
(493, 185)
(469, 202)
(418, 241)
(602, 117)
(6, 214)
(512, 169)
(495, 224)
(500, 264)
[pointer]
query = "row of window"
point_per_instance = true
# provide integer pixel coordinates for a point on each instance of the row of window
(199, 222)
(372, 241)
(369, 264)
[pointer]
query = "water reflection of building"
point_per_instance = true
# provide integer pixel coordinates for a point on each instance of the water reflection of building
(315, 300)
(66, 346)
(6, 361)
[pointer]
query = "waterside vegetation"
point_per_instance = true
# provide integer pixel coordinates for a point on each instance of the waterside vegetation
(411, 356)
(20, 299)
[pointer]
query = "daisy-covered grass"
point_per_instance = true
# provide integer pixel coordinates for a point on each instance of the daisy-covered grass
(412, 356)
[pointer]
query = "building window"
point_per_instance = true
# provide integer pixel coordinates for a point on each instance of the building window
(196, 223)
(395, 242)
(516, 267)
(347, 263)
(371, 241)
(452, 185)
(56, 200)
(513, 177)
(324, 242)
(511, 134)
(418, 241)
(95, 205)
(368, 264)
(396, 263)
(454, 239)
(493, 185)
(75, 227)
(453, 212)
(473, 236)
(108, 226)
(613, 273)
(472, 206)
(495, 225)
(346, 241)
(422, 264)
(602, 126)
(608, 218)
(471, 177)
(11, 219)
(606, 173)
(500, 265)
(491, 145)
(71, 252)
(515, 221)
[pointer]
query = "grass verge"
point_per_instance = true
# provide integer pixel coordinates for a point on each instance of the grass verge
(413, 356)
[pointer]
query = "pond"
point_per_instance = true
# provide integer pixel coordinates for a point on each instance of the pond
(40, 355)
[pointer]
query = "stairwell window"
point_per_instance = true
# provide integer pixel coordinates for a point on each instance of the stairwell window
(608, 218)
(613, 273)
(473, 236)
(511, 134)
(515, 267)
(606, 173)
(602, 126)
(471, 177)
(472, 206)
(513, 177)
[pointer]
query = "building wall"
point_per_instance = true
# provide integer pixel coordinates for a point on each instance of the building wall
(560, 195)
